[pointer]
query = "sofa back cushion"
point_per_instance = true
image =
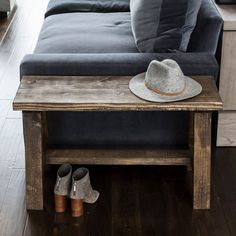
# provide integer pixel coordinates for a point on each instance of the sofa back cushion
(163, 25)
(102, 6)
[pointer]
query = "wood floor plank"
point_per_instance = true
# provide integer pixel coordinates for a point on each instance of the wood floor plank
(37, 218)
(226, 185)
(125, 204)
(5, 175)
(151, 201)
(13, 213)
(101, 211)
(19, 162)
(11, 78)
(10, 136)
(4, 108)
(177, 203)
(14, 114)
(18, 41)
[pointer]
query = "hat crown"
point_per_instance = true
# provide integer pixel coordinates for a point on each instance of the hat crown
(165, 77)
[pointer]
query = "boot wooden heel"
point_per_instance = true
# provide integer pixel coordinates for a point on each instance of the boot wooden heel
(77, 207)
(62, 187)
(60, 203)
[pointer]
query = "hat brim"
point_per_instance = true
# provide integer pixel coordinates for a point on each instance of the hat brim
(138, 87)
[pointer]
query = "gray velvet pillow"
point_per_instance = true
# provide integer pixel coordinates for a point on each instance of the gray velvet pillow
(163, 25)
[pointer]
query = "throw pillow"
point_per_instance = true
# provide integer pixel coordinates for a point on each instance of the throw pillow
(163, 25)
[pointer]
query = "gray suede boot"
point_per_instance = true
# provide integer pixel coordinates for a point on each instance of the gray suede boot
(81, 191)
(81, 187)
(62, 187)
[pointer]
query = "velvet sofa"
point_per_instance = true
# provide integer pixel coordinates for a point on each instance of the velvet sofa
(94, 37)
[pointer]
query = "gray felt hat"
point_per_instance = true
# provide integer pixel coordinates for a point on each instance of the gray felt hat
(164, 82)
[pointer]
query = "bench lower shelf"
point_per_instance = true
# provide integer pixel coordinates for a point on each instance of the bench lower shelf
(119, 157)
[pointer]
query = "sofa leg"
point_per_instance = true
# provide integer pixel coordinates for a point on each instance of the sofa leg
(202, 160)
(33, 137)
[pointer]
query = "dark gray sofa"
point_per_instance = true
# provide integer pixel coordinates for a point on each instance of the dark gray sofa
(95, 38)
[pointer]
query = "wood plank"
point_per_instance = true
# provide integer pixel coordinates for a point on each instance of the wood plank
(11, 76)
(4, 108)
(225, 175)
(226, 135)
(126, 206)
(19, 162)
(150, 199)
(227, 75)
(202, 161)
(10, 138)
(5, 175)
(32, 122)
(13, 213)
(101, 93)
(118, 157)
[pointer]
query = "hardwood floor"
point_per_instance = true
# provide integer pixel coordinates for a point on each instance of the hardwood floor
(20, 32)
(145, 201)
(134, 200)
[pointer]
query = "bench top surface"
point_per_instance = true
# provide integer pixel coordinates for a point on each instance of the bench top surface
(102, 93)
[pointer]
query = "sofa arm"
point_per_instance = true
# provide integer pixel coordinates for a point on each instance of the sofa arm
(114, 64)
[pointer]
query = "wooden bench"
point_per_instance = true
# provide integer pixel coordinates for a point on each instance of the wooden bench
(40, 94)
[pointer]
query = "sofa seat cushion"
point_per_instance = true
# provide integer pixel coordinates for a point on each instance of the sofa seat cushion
(86, 33)
(66, 6)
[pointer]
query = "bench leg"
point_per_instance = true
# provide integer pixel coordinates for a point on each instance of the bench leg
(33, 137)
(202, 160)
(190, 139)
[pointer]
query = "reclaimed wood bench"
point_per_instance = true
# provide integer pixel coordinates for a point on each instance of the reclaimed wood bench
(40, 94)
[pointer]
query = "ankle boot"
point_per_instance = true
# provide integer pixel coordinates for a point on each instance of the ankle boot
(62, 187)
(81, 191)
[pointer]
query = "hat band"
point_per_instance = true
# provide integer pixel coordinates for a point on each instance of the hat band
(164, 93)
